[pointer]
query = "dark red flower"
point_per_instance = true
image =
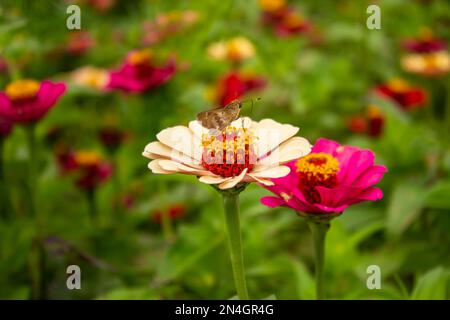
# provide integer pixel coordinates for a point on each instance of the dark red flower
(234, 85)
(426, 42)
(139, 74)
(371, 123)
(405, 95)
(6, 127)
(111, 137)
(286, 21)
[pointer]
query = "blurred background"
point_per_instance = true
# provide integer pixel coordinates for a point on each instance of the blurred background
(314, 64)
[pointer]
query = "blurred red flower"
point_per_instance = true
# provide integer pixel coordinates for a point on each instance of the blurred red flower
(234, 85)
(406, 96)
(79, 42)
(371, 123)
(285, 20)
(174, 212)
(112, 137)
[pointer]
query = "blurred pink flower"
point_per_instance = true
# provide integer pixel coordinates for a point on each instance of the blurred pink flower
(139, 74)
(328, 180)
(27, 101)
(79, 42)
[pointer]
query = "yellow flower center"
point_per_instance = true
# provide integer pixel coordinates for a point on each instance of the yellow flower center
(228, 153)
(316, 169)
(87, 158)
(22, 89)
(140, 57)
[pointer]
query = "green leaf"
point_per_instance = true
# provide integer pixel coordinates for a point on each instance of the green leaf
(432, 286)
(407, 200)
(439, 196)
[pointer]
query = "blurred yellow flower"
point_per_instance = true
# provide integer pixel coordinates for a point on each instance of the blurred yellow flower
(90, 77)
(429, 64)
(235, 49)
(272, 5)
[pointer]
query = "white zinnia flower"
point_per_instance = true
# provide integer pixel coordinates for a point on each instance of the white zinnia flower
(246, 151)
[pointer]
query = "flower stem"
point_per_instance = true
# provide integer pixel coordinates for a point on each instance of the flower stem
(37, 259)
(5, 205)
(231, 208)
(33, 159)
(92, 206)
(319, 230)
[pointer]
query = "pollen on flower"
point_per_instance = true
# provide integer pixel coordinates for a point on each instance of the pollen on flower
(140, 57)
(229, 152)
(22, 89)
(316, 169)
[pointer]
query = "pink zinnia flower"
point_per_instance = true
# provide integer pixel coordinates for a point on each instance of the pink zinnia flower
(27, 101)
(139, 74)
(328, 180)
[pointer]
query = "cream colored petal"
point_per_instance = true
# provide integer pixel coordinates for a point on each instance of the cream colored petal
(243, 122)
(213, 179)
(233, 181)
(289, 150)
(251, 178)
(182, 139)
(274, 172)
(174, 166)
(270, 134)
(156, 168)
(156, 149)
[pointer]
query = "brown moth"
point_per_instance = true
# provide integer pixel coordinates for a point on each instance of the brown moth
(221, 117)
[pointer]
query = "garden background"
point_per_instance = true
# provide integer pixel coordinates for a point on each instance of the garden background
(137, 235)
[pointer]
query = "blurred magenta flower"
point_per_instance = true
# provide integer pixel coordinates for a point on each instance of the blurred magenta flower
(234, 85)
(426, 42)
(27, 101)
(370, 123)
(327, 180)
(405, 95)
(139, 73)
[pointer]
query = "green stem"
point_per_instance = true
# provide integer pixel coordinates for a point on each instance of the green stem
(32, 160)
(166, 225)
(37, 259)
(92, 207)
(231, 208)
(5, 205)
(319, 230)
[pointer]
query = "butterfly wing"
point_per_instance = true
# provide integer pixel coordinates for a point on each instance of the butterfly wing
(221, 117)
